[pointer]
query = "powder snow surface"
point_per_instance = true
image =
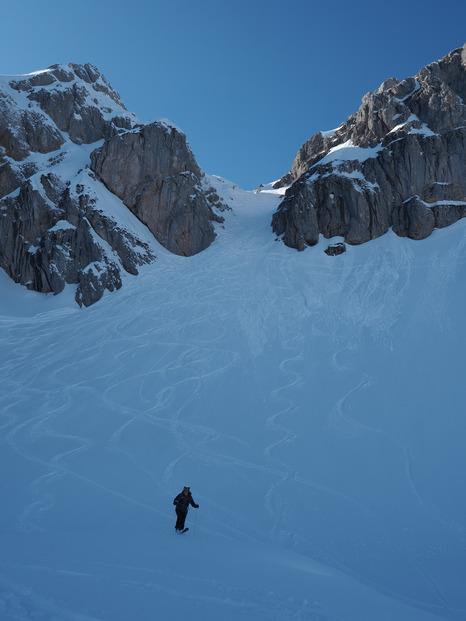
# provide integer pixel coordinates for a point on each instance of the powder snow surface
(314, 404)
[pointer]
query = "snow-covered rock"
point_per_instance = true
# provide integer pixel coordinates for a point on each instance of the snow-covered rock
(399, 162)
(59, 223)
(54, 232)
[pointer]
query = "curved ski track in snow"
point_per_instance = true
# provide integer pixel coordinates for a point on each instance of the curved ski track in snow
(254, 373)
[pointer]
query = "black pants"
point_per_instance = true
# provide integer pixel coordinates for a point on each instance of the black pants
(180, 518)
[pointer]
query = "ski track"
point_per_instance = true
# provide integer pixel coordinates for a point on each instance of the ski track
(41, 425)
(341, 419)
(163, 394)
(272, 500)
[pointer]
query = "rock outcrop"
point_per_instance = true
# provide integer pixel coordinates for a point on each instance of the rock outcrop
(53, 232)
(399, 161)
(58, 222)
(153, 171)
(72, 158)
(334, 250)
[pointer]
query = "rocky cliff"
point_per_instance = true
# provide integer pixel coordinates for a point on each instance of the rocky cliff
(153, 171)
(71, 159)
(399, 161)
(75, 165)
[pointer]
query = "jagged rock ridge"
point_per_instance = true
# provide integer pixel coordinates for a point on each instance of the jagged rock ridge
(58, 221)
(399, 161)
(72, 156)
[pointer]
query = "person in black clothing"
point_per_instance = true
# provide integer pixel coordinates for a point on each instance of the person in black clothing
(182, 502)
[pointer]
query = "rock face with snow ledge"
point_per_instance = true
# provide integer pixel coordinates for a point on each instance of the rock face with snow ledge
(399, 161)
(59, 224)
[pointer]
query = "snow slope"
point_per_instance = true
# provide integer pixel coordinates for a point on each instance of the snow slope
(314, 404)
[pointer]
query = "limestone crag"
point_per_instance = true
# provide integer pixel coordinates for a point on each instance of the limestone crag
(58, 221)
(399, 161)
(85, 189)
(78, 100)
(153, 171)
(53, 234)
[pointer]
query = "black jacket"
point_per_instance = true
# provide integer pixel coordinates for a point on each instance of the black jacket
(182, 502)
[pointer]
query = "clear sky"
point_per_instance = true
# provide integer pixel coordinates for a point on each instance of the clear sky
(248, 81)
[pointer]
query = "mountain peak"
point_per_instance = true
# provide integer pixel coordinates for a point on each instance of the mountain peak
(63, 180)
(398, 162)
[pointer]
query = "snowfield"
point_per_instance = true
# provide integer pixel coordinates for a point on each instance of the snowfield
(314, 404)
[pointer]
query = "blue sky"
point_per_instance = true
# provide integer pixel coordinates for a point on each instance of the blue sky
(248, 81)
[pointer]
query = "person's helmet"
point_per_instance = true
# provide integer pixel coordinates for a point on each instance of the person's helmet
(186, 488)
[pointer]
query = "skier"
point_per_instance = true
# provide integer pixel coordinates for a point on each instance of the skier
(182, 502)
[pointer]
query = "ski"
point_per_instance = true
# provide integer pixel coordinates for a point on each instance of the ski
(180, 532)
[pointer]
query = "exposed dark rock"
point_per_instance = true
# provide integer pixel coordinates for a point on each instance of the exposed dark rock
(333, 250)
(447, 214)
(68, 110)
(71, 97)
(53, 230)
(10, 178)
(399, 161)
(48, 236)
(413, 219)
(24, 130)
(153, 171)
(283, 181)
(51, 235)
